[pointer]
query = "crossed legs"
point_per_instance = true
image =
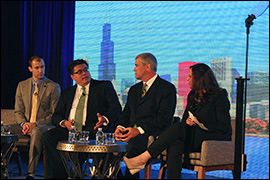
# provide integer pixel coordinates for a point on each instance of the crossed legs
(171, 139)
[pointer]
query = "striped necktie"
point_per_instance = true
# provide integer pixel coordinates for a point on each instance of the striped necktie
(144, 90)
(34, 105)
(79, 111)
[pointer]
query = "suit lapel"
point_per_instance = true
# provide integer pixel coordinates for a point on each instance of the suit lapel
(91, 95)
(139, 93)
(150, 91)
(198, 109)
(69, 99)
(43, 88)
(153, 87)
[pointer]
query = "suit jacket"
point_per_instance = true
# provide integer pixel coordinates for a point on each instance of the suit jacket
(102, 99)
(214, 115)
(154, 111)
(48, 97)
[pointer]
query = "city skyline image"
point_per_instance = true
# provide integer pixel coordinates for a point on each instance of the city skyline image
(110, 35)
(174, 32)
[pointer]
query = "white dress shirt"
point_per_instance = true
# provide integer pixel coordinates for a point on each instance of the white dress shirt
(76, 99)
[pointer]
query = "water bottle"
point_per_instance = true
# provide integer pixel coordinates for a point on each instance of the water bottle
(100, 137)
(2, 128)
(72, 134)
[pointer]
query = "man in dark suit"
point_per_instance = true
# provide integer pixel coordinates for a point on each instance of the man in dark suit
(149, 109)
(101, 109)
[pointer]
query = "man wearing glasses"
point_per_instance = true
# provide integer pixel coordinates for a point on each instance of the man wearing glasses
(101, 108)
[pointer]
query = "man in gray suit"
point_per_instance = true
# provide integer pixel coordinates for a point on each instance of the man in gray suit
(35, 117)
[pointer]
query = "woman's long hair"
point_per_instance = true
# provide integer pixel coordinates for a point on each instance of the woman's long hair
(204, 82)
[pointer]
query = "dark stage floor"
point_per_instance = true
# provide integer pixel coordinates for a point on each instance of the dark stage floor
(14, 172)
(256, 149)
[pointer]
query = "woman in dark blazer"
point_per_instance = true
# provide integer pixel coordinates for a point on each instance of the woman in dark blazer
(209, 106)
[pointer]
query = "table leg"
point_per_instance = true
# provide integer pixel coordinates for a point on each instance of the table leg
(115, 166)
(111, 165)
(105, 165)
(6, 153)
(72, 165)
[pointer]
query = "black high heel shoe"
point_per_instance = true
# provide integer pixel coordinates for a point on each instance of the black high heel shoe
(132, 169)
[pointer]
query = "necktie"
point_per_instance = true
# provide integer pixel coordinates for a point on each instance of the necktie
(34, 105)
(79, 111)
(144, 90)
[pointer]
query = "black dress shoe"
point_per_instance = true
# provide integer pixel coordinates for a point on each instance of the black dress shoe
(29, 177)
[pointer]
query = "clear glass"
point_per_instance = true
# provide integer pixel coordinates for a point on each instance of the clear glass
(83, 136)
(72, 135)
(109, 138)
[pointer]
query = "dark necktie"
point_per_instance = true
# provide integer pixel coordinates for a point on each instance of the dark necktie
(144, 90)
(79, 111)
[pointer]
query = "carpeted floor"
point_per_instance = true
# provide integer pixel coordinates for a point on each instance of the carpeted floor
(14, 171)
(256, 148)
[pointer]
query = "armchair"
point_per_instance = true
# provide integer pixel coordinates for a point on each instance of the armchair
(214, 155)
(22, 145)
(160, 159)
(7, 117)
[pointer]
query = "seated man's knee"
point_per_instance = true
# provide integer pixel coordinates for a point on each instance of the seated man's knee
(36, 133)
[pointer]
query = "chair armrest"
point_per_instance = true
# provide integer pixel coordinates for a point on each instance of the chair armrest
(23, 140)
(150, 140)
(15, 129)
(217, 153)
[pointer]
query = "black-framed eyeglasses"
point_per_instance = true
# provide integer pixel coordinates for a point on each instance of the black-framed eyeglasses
(79, 72)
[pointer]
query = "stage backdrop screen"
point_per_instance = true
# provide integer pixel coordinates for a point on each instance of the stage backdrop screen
(110, 34)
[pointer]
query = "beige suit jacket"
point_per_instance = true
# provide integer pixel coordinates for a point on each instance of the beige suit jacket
(48, 97)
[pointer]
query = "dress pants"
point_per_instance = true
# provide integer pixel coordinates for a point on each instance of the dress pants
(54, 167)
(35, 147)
(173, 139)
(136, 146)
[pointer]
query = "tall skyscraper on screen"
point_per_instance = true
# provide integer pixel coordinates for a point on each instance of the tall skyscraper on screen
(106, 68)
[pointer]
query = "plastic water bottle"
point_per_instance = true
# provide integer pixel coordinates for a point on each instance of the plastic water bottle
(2, 128)
(100, 137)
(72, 134)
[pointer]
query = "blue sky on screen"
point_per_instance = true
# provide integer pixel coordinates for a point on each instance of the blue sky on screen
(174, 31)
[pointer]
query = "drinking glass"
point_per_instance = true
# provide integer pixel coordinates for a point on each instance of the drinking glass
(83, 136)
(109, 138)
